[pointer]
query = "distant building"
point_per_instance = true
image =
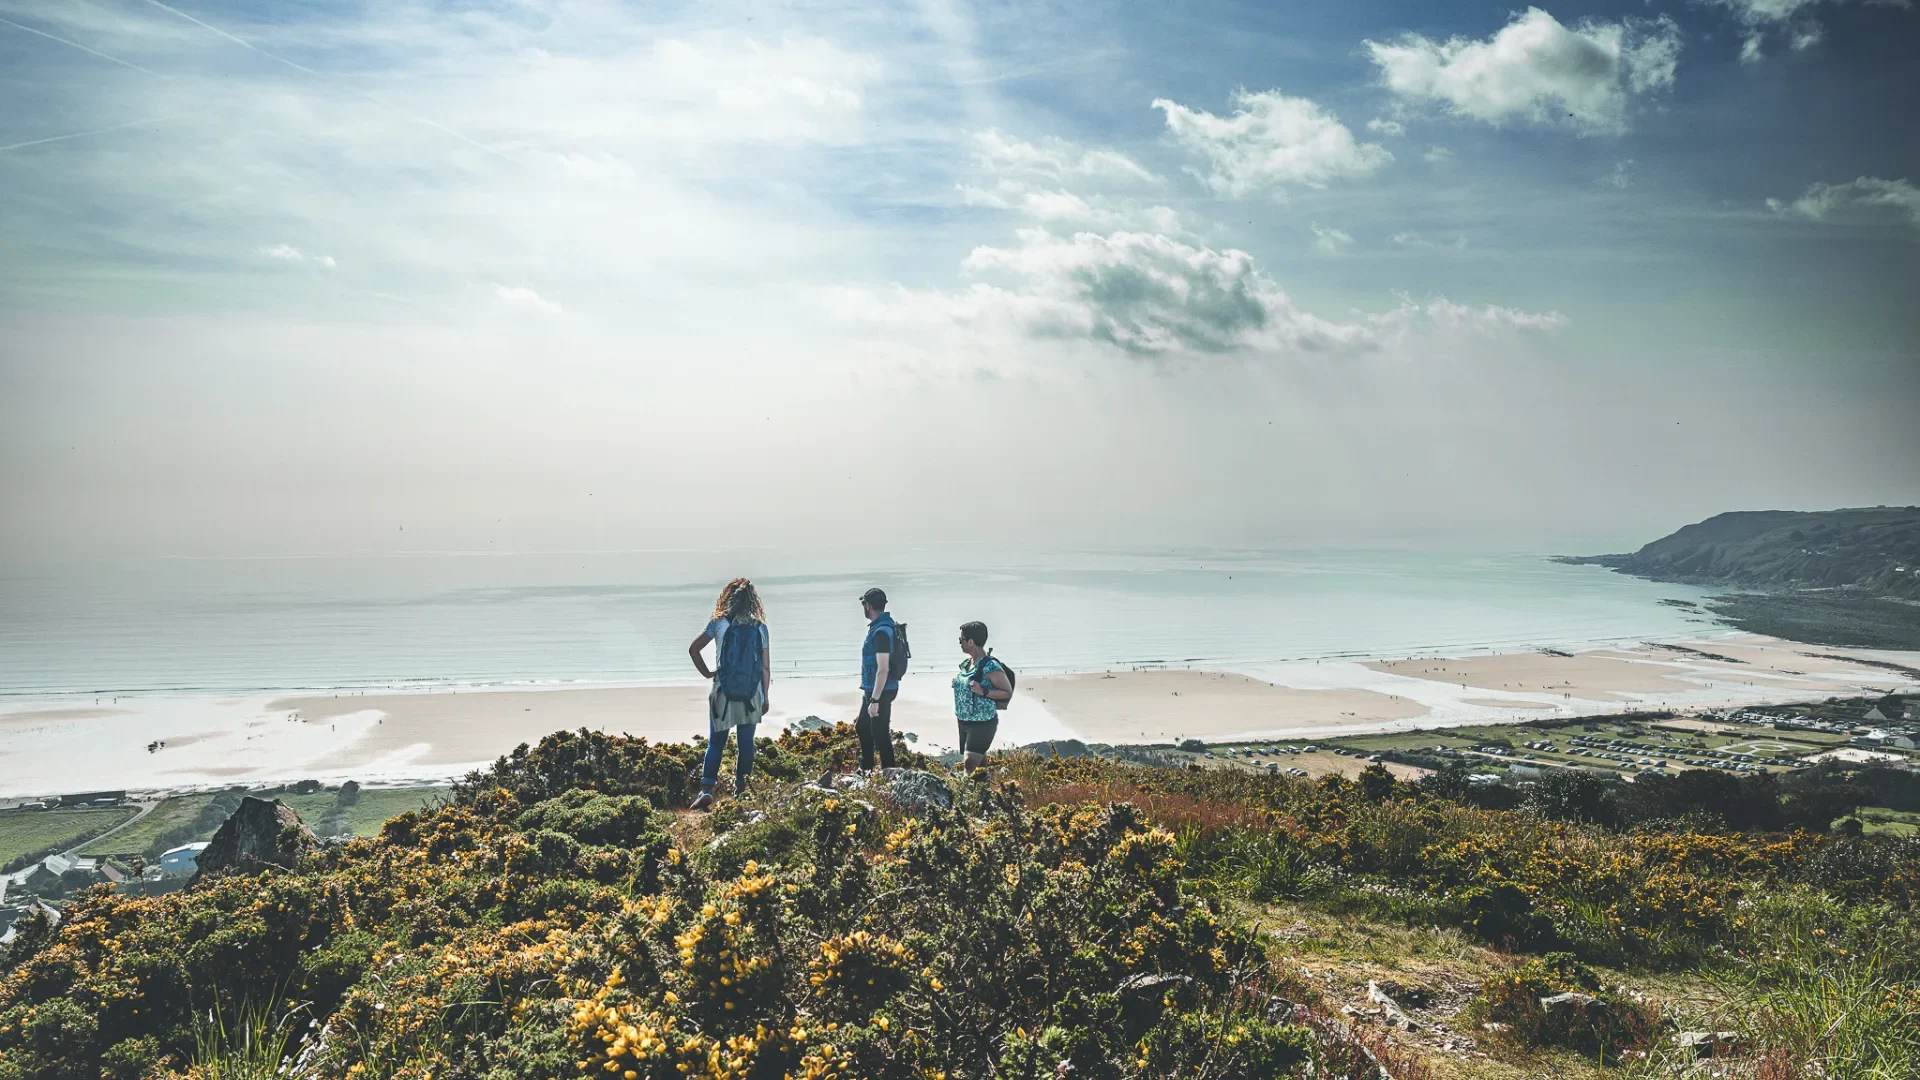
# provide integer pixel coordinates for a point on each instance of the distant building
(94, 798)
(53, 918)
(1874, 715)
(61, 864)
(35, 878)
(183, 860)
(1886, 740)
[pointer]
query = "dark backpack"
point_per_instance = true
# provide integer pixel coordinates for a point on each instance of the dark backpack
(901, 652)
(740, 654)
(898, 652)
(1013, 682)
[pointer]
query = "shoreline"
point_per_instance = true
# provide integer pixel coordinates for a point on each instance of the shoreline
(80, 742)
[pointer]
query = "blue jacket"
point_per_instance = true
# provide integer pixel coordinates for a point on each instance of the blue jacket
(868, 668)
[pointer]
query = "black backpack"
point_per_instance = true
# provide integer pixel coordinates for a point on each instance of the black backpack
(1013, 683)
(901, 652)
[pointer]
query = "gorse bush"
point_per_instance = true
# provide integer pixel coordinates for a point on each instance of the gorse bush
(1514, 879)
(1068, 918)
(547, 925)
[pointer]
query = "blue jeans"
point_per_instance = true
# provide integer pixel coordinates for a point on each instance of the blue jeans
(743, 763)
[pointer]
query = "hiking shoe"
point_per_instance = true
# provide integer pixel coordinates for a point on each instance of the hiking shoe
(704, 802)
(739, 788)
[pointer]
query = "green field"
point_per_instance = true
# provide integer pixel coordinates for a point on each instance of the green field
(375, 807)
(136, 838)
(1891, 822)
(23, 832)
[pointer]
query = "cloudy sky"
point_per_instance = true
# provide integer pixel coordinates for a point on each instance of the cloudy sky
(557, 274)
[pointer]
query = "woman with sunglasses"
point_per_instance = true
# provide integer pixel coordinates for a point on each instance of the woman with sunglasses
(979, 690)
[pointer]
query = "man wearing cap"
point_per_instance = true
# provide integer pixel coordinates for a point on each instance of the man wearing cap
(875, 720)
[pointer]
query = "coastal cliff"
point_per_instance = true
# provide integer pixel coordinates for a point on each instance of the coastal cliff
(1848, 578)
(1873, 551)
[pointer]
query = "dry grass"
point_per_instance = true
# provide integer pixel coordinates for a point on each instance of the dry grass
(1178, 813)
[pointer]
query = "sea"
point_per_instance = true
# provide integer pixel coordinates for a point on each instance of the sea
(189, 625)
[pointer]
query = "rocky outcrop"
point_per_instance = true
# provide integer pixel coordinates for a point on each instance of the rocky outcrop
(917, 792)
(910, 789)
(260, 834)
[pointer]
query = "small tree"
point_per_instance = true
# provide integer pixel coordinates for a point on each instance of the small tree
(1376, 783)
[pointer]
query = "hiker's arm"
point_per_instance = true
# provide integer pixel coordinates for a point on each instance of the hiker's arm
(881, 660)
(766, 677)
(1002, 688)
(997, 686)
(700, 662)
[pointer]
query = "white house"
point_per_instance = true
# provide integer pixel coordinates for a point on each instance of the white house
(60, 864)
(1892, 739)
(182, 860)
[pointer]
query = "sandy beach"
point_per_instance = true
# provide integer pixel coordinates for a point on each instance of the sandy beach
(417, 736)
(1155, 706)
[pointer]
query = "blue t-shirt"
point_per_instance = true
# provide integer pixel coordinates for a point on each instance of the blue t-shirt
(879, 640)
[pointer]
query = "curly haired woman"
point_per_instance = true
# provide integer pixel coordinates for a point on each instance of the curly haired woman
(742, 681)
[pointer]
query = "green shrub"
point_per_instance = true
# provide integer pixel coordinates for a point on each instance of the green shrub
(1594, 1021)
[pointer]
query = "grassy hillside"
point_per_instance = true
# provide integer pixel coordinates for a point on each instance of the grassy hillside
(135, 839)
(1873, 551)
(30, 832)
(363, 814)
(562, 916)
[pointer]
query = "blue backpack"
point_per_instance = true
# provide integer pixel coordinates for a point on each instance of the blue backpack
(740, 653)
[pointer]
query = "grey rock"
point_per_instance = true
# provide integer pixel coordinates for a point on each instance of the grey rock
(1390, 1008)
(1707, 1042)
(1569, 1000)
(1150, 982)
(259, 834)
(916, 792)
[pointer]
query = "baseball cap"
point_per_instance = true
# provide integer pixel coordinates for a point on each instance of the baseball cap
(875, 597)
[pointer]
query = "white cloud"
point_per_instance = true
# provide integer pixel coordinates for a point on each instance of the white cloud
(1620, 177)
(1330, 240)
(1386, 127)
(289, 253)
(1866, 194)
(1416, 241)
(1054, 159)
(521, 298)
(1411, 317)
(1536, 69)
(608, 152)
(1437, 155)
(1034, 179)
(1792, 19)
(1271, 141)
(1155, 296)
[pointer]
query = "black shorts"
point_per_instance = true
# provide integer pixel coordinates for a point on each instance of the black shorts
(977, 735)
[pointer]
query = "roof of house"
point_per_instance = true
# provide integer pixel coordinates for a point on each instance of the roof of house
(196, 848)
(60, 864)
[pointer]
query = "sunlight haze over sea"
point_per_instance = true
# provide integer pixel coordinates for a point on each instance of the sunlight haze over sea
(223, 625)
